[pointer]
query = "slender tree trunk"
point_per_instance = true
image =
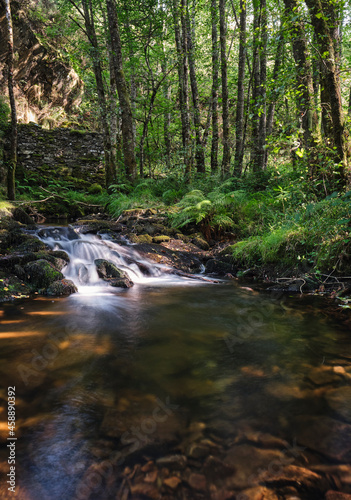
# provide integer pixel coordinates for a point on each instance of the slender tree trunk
(199, 149)
(12, 161)
(95, 57)
(215, 86)
(256, 82)
(225, 96)
(123, 94)
(183, 87)
(261, 149)
(275, 91)
(240, 106)
(305, 101)
(133, 85)
(323, 22)
(167, 116)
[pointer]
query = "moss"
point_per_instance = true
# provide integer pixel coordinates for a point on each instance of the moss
(61, 288)
(41, 273)
(160, 239)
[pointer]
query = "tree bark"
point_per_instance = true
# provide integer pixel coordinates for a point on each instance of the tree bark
(199, 149)
(215, 86)
(183, 84)
(225, 96)
(95, 57)
(323, 20)
(123, 94)
(305, 101)
(240, 106)
(12, 161)
(256, 82)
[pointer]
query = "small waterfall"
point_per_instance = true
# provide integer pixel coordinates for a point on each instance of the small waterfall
(84, 250)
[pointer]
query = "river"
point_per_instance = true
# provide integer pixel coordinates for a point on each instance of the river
(176, 388)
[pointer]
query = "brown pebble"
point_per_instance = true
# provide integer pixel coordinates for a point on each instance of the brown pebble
(172, 482)
(197, 482)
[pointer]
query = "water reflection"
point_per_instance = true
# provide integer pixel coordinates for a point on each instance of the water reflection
(148, 391)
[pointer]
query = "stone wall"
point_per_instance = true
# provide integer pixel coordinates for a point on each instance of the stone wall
(60, 154)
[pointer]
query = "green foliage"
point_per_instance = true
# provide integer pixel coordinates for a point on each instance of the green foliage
(95, 189)
(4, 115)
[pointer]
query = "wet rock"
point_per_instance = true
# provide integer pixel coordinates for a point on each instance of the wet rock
(198, 451)
(58, 233)
(120, 283)
(250, 463)
(299, 477)
(107, 269)
(340, 473)
(215, 266)
(259, 493)
(176, 462)
(216, 470)
(182, 260)
(145, 490)
(221, 493)
(339, 400)
(197, 481)
(325, 435)
(94, 226)
(151, 476)
(42, 273)
(172, 482)
(322, 375)
(337, 495)
(61, 288)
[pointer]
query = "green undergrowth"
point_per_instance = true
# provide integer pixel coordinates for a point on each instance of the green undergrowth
(271, 218)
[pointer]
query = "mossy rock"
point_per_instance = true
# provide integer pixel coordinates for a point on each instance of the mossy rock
(107, 270)
(95, 189)
(161, 239)
(143, 238)
(31, 244)
(11, 287)
(61, 288)
(21, 216)
(41, 273)
(201, 243)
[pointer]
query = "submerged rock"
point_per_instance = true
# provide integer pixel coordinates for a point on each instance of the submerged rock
(62, 287)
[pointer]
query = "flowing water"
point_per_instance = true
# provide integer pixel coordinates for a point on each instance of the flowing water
(173, 388)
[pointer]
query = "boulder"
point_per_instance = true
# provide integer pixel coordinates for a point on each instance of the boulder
(107, 269)
(41, 273)
(61, 288)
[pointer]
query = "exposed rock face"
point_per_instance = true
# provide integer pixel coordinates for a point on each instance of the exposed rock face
(42, 80)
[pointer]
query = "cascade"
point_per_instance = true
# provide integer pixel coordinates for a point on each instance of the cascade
(84, 250)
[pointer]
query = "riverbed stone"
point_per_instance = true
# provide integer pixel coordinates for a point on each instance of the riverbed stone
(258, 493)
(339, 400)
(249, 463)
(325, 435)
(337, 495)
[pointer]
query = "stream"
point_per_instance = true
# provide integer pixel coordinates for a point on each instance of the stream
(172, 389)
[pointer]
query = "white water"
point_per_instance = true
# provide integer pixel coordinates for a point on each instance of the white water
(83, 250)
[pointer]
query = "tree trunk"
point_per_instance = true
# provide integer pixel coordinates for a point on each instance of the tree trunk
(323, 19)
(12, 161)
(95, 57)
(240, 106)
(183, 86)
(123, 94)
(256, 82)
(225, 96)
(199, 149)
(215, 86)
(275, 91)
(263, 93)
(305, 100)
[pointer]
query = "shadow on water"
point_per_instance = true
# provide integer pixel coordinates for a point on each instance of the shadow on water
(176, 391)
